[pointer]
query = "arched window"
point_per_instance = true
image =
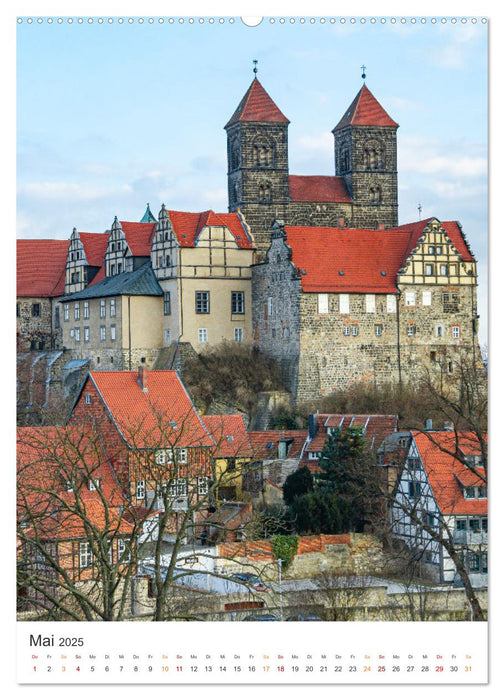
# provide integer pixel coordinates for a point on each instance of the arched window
(265, 193)
(375, 194)
(263, 153)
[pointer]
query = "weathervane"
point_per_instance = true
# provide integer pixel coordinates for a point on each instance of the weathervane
(419, 211)
(255, 65)
(363, 69)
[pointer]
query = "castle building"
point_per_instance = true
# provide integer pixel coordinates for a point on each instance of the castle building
(361, 194)
(339, 306)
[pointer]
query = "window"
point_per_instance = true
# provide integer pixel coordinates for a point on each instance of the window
(112, 308)
(35, 310)
(270, 306)
(237, 302)
(103, 333)
(202, 335)
(85, 555)
(426, 298)
(86, 309)
(57, 323)
(87, 398)
(178, 487)
(167, 303)
(77, 311)
(344, 303)
(94, 484)
(429, 269)
(456, 331)
(202, 303)
(370, 304)
(414, 489)
(312, 456)
(66, 312)
(378, 329)
(346, 330)
(443, 270)
(103, 310)
(411, 330)
(202, 485)
(323, 303)
(391, 303)
(112, 332)
(77, 334)
(355, 329)
(123, 553)
(451, 302)
(238, 335)
(439, 331)
(181, 453)
(18, 310)
(140, 490)
(410, 299)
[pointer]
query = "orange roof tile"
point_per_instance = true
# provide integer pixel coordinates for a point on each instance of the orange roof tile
(230, 435)
(446, 473)
(188, 225)
(318, 188)
(365, 110)
(41, 267)
(164, 415)
(139, 237)
(265, 442)
(95, 245)
(257, 106)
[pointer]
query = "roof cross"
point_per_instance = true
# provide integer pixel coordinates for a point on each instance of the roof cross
(419, 211)
(255, 65)
(363, 69)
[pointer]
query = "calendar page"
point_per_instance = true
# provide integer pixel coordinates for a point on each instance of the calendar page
(251, 347)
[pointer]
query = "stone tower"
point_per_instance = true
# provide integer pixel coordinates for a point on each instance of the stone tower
(365, 150)
(258, 169)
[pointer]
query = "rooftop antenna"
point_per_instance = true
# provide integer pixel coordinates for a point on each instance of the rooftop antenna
(255, 65)
(363, 69)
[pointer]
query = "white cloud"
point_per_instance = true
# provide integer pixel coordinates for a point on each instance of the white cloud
(430, 157)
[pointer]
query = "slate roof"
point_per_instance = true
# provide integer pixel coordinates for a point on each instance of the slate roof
(365, 110)
(141, 282)
(359, 260)
(187, 226)
(447, 474)
(164, 415)
(318, 188)
(41, 267)
(257, 106)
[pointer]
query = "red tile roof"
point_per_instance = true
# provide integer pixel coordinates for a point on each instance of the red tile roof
(359, 260)
(230, 435)
(162, 416)
(446, 473)
(50, 457)
(187, 226)
(41, 267)
(95, 245)
(257, 106)
(263, 549)
(265, 442)
(365, 110)
(318, 188)
(139, 237)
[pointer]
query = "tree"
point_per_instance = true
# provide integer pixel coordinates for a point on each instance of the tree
(297, 484)
(98, 506)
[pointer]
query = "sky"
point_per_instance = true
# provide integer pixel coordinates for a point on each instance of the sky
(113, 115)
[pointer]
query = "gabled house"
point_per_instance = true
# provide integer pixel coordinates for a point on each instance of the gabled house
(160, 449)
(341, 306)
(442, 491)
(202, 262)
(231, 455)
(374, 427)
(71, 513)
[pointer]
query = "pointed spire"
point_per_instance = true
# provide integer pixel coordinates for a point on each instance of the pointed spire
(257, 106)
(365, 110)
(148, 217)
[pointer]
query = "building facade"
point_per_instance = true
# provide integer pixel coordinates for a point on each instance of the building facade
(362, 193)
(340, 306)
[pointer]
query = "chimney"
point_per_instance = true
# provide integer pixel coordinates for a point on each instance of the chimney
(341, 223)
(312, 425)
(448, 425)
(381, 227)
(428, 424)
(142, 377)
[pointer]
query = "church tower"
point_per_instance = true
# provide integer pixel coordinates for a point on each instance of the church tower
(365, 150)
(258, 170)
